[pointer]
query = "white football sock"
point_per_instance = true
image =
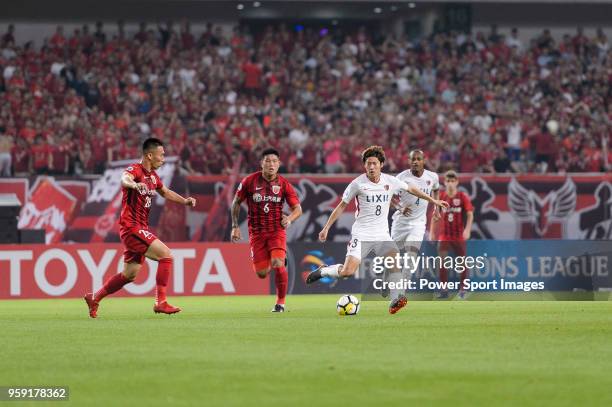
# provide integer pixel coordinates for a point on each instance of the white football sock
(395, 276)
(330, 271)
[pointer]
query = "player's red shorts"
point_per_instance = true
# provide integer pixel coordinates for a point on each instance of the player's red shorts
(458, 247)
(136, 241)
(262, 244)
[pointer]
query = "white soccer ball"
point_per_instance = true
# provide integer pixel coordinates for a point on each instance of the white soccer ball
(552, 126)
(347, 305)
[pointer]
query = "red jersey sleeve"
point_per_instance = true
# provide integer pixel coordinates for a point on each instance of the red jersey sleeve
(467, 203)
(241, 192)
(135, 171)
(290, 195)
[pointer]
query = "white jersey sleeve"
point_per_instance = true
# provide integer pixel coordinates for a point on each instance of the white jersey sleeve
(436, 181)
(350, 192)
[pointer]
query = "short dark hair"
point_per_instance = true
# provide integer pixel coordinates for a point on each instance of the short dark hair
(450, 174)
(417, 151)
(150, 144)
(269, 151)
(373, 151)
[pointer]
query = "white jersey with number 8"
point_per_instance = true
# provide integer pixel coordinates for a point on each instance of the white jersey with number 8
(372, 201)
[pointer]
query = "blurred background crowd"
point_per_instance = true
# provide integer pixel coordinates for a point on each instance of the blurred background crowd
(483, 102)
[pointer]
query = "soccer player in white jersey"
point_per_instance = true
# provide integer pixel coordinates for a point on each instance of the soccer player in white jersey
(410, 219)
(372, 192)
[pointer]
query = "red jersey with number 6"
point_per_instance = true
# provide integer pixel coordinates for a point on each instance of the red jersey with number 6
(265, 201)
(135, 207)
(452, 217)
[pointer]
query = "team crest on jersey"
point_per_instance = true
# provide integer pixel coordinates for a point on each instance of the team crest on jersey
(456, 201)
(428, 182)
(386, 187)
(275, 189)
(154, 180)
(257, 197)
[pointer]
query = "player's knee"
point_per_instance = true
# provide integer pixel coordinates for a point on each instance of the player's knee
(277, 262)
(130, 275)
(262, 273)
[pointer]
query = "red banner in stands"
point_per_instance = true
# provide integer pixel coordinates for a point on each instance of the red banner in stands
(50, 207)
(65, 271)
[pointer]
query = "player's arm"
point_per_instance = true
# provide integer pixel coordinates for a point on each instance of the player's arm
(332, 219)
(467, 232)
(172, 196)
(235, 211)
(414, 190)
(296, 212)
(435, 194)
(127, 181)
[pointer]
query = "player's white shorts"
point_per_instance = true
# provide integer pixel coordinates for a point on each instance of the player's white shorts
(379, 245)
(407, 234)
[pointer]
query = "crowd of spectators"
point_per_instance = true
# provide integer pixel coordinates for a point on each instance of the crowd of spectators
(475, 103)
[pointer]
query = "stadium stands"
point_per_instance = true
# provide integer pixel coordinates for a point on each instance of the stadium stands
(475, 103)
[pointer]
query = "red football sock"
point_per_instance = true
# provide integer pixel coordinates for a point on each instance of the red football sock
(464, 275)
(443, 275)
(111, 285)
(280, 279)
(163, 273)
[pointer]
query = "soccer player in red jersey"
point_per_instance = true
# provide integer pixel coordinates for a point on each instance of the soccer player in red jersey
(265, 192)
(139, 183)
(452, 233)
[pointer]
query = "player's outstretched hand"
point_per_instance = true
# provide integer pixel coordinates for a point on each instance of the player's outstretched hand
(142, 188)
(436, 215)
(406, 211)
(441, 203)
(285, 222)
(190, 202)
(323, 235)
(466, 234)
(236, 234)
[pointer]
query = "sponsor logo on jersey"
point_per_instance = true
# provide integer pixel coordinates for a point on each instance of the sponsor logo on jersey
(260, 198)
(377, 198)
(276, 189)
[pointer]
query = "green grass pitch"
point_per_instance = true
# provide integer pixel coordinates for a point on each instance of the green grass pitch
(231, 351)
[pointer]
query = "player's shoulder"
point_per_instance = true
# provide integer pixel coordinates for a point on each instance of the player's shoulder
(135, 168)
(389, 177)
(431, 174)
(251, 177)
(463, 195)
(360, 179)
(283, 180)
(404, 174)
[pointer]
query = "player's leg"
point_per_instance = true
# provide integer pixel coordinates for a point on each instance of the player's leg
(350, 266)
(389, 249)
(133, 257)
(443, 250)
(281, 278)
(460, 249)
(159, 252)
(260, 255)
